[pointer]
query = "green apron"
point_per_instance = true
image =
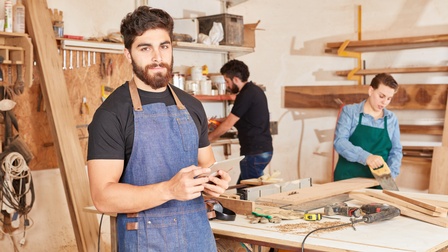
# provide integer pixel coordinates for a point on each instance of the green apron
(371, 139)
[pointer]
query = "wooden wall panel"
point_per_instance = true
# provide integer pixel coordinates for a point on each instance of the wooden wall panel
(80, 82)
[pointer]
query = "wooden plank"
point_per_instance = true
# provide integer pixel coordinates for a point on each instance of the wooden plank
(409, 96)
(421, 129)
(417, 202)
(238, 206)
(380, 195)
(439, 171)
(319, 192)
(439, 165)
(391, 43)
(433, 69)
(62, 124)
(439, 221)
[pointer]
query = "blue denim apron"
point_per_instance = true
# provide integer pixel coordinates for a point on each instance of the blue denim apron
(165, 140)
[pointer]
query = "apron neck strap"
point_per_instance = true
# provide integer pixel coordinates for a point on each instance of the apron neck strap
(136, 102)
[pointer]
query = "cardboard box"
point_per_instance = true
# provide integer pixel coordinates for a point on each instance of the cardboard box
(249, 34)
(232, 25)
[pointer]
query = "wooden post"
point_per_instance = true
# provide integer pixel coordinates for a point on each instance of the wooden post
(63, 127)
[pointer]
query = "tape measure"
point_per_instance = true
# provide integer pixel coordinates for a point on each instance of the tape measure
(312, 216)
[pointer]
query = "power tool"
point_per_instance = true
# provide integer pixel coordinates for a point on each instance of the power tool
(341, 208)
(378, 212)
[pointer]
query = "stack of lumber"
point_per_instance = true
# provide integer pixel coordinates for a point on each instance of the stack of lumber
(433, 212)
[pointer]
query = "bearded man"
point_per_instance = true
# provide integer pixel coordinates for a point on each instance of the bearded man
(148, 142)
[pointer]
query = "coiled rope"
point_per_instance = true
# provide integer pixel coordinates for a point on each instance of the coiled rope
(17, 190)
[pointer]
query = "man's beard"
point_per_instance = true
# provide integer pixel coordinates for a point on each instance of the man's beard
(155, 81)
(234, 89)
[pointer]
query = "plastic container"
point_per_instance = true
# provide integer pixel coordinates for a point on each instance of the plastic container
(18, 17)
(8, 16)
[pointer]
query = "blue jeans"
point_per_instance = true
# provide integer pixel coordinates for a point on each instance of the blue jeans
(252, 166)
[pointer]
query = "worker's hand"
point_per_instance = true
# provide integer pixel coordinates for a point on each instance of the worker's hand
(187, 184)
(218, 184)
(374, 161)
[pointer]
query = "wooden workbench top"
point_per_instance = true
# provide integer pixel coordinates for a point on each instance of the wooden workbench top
(399, 234)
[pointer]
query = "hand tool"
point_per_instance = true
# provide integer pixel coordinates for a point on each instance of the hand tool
(1, 71)
(77, 59)
(94, 58)
(19, 85)
(312, 216)
(64, 56)
(71, 60)
(88, 58)
(382, 175)
(378, 212)
(341, 208)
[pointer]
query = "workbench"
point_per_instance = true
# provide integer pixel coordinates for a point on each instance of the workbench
(399, 234)
(396, 235)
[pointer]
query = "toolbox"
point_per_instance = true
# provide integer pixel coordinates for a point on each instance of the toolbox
(232, 25)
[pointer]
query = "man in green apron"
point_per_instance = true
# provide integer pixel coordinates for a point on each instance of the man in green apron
(367, 133)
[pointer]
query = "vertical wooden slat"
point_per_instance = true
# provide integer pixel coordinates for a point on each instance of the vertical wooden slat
(62, 124)
(439, 165)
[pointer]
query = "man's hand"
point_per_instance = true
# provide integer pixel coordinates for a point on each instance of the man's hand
(375, 161)
(187, 184)
(218, 185)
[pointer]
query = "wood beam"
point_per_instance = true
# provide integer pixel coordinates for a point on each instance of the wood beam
(62, 123)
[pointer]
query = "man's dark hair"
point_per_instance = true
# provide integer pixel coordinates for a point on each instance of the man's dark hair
(386, 79)
(236, 68)
(142, 19)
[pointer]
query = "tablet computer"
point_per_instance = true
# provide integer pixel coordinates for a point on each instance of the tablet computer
(225, 165)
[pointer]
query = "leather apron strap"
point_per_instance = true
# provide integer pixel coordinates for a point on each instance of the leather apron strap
(136, 102)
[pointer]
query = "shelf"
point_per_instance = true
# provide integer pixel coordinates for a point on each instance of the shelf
(395, 70)
(234, 50)
(391, 44)
(16, 48)
(227, 97)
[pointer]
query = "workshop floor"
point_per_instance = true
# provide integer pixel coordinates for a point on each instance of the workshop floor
(50, 225)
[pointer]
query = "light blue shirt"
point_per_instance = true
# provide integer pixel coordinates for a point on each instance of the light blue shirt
(347, 122)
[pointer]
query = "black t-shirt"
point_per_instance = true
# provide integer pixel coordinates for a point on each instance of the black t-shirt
(111, 132)
(251, 106)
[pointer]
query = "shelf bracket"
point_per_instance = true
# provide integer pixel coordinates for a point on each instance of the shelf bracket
(357, 55)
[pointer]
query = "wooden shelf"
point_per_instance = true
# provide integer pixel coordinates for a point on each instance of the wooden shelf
(16, 48)
(396, 70)
(234, 51)
(391, 44)
(218, 98)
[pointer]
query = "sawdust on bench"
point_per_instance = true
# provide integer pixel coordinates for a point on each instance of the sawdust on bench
(305, 228)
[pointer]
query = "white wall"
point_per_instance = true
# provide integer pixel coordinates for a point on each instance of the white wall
(290, 51)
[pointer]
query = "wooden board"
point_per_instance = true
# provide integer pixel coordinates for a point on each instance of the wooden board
(319, 192)
(62, 124)
(439, 165)
(238, 206)
(391, 43)
(380, 195)
(258, 182)
(395, 70)
(419, 203)
(439, 221)
(409, 96)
